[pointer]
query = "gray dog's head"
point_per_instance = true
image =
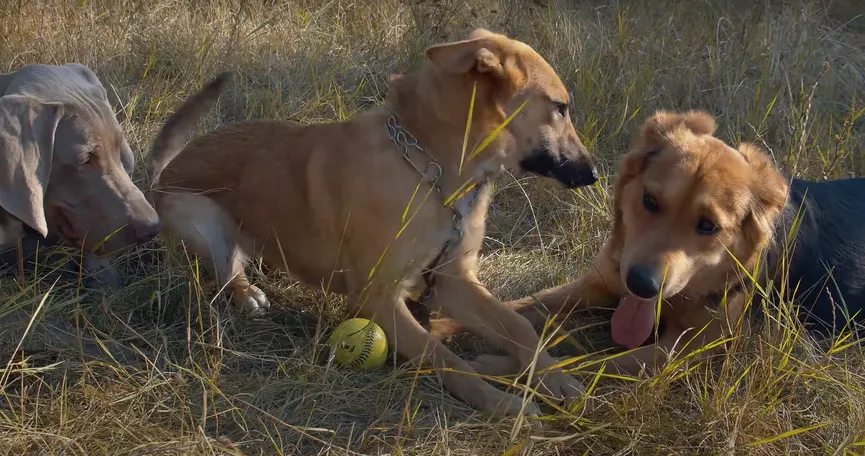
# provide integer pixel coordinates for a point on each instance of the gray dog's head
(64, 162)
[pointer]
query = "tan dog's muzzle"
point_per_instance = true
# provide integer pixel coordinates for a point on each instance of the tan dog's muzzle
(574, 172)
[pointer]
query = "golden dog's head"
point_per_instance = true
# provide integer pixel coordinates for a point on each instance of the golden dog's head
(685, 201)
(541, 138)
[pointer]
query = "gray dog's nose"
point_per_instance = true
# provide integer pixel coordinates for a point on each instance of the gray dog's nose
(146, 230)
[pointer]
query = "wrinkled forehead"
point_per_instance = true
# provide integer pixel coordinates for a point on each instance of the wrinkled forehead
(712, 181)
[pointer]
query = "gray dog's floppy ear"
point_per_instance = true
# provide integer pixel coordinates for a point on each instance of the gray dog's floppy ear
(27, 129)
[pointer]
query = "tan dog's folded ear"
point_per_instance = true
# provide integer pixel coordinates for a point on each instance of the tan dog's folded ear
(27, 129)
(460, 57)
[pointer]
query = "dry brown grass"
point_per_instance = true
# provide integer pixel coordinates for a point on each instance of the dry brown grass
(789, 76)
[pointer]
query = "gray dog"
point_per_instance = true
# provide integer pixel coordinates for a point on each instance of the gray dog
(65, 175)
(65, 165)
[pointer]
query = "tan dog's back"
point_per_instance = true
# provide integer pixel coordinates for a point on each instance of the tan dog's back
(303, 182)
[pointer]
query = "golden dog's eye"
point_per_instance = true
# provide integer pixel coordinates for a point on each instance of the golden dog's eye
(650, 203)
(706, 227)
(562, 108)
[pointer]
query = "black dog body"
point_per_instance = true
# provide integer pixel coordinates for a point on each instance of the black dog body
(822, 268)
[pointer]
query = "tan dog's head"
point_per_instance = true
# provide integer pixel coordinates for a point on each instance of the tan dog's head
(541, 139)
(64, 162)
(685, 201)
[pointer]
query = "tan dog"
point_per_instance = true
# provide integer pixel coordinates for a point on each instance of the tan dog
(685, 205)
(365, 207)
(64, 163)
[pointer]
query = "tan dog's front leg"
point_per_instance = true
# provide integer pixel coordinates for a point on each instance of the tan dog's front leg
(464, 298)
(411, 340)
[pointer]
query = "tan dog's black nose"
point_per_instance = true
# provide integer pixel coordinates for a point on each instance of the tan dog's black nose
(582, 176)
(641, 281)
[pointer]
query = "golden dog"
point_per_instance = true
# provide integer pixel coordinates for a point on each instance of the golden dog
(386, 205)
(691, 214)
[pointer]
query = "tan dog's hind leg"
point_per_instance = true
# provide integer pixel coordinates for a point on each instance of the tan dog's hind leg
(412, 341)
(211, 233)
(467, 301)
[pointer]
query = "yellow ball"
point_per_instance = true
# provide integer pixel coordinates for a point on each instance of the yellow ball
(359, 344)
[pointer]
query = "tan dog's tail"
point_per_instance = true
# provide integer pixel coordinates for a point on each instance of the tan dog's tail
(181, 124)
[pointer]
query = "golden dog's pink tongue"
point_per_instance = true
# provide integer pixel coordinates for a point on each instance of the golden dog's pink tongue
(633, 321)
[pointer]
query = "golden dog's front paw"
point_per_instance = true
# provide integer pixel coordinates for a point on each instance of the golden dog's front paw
(554, 383)
(561, 386)
(514, 405)
(495, 365)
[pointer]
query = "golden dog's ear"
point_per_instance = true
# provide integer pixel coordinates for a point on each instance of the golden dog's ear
(769, 194)
(479, 53)
(699, 122)
(654, 133)
(480, 33)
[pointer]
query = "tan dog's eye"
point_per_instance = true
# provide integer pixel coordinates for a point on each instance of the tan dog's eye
(650, 203)
(706, 227)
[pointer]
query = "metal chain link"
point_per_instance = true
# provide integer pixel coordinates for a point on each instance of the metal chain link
(404, 141)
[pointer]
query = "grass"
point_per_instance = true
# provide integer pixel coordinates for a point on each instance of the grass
(787, 75)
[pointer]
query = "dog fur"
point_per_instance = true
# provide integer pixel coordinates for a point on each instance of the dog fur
(65, 165)
(692, 215)
(340, 207)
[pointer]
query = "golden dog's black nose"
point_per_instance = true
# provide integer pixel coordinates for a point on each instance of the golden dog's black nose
(641, 281)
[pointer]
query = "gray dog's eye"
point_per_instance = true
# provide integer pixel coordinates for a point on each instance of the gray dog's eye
(85, 158)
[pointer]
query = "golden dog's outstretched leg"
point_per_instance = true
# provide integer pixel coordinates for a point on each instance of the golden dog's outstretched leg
(598, 287)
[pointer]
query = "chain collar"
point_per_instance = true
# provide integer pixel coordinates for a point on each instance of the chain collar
(431, 173)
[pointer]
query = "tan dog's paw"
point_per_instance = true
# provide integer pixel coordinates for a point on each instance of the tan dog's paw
(251, 299)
